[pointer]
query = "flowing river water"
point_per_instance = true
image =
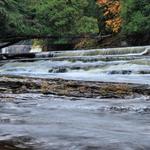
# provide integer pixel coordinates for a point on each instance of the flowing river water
(51, 122)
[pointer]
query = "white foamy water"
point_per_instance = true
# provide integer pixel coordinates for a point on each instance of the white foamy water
(131, 71)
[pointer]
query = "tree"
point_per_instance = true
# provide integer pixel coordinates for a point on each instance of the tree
(9, 16)
(136, 21)
(65, 17)
(136, 16)
(15, 18)
(45, 17)
(111, 14)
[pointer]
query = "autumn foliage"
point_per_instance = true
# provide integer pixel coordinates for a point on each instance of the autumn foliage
(112, 10)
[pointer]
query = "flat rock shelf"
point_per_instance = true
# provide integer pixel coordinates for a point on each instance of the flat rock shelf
(71, 87)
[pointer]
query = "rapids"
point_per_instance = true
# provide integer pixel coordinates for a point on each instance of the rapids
(110, 65)
(51, 122)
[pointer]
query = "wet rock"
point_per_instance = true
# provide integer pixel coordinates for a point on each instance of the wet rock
(72, 88)
(144, 72)
(16, 143)
(124, 44)
(44, 54)
(17, 56)
(124, 72)
(58, 70)
(2, 57)
(85, 66)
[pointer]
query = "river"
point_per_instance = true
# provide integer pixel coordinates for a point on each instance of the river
(50, 122)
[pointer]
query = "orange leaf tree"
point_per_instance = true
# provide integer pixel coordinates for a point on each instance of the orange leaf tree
(112, 10)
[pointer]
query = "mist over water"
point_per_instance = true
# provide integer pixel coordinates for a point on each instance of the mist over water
(48, 122)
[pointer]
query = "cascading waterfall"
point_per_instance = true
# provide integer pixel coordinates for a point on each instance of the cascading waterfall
(108, 51)
(21, 47)
(117, 65)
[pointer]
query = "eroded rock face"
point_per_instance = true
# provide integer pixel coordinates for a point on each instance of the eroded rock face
(71, 88)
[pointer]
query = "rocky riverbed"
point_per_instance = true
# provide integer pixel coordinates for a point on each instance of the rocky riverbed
(74, 88)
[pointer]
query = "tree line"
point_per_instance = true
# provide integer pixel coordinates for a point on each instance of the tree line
(72, 17)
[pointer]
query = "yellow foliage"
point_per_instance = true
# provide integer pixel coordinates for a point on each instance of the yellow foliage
(114, 24)
(112, 11)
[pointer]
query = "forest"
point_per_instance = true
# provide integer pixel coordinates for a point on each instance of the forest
(125, 19)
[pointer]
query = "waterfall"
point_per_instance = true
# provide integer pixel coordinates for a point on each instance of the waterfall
(4, 50)
(107, 51)
(21, 47)
(17, 49)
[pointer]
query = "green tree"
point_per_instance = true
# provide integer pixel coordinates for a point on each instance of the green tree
(46, 17)
(15, 18)
(9, 16)
(96, 11)
(65, 17)
(136, 17)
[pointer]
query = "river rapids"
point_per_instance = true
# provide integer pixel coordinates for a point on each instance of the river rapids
(36, 121)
